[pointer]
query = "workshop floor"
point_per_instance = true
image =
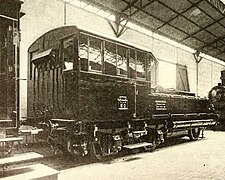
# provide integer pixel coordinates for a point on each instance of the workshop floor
(183, 159)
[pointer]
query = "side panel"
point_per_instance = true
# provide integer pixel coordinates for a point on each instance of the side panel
(106, 98)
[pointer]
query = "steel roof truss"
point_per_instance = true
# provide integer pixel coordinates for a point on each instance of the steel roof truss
(117, 27)
(165, 23)
(132, 10)
(181, 14)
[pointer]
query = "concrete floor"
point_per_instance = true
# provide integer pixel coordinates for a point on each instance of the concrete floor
(203, 159)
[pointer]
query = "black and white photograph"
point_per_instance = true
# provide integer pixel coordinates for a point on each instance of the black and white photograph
(112, 89)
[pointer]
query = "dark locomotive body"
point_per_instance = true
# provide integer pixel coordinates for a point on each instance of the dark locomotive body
(95, 95)
(9, 74)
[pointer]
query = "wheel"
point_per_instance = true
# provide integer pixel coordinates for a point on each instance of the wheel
(194, 133)
(95, 152)
(102, 150)
(151, 138)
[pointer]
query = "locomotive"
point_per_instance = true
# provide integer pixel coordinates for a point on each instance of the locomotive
(95, 96)
(217, 99)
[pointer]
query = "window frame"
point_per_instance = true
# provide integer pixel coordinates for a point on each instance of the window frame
(101, 49)
(127, 61)
(117, 45)
(115, 57)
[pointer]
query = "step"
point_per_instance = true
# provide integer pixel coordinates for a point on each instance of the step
(139, 132)
(11, 139)
(30, 131)
(36, 171)
(137, 145)
(5, 120)
(19, 158)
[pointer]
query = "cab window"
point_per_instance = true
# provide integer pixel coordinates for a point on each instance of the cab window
(132, 63)
(141, 64)
(95, 54)
(83, 52)
(68, 51)
(121, 61)
(110, 58)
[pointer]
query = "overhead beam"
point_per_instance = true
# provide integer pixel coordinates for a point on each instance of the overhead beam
(214, 20)
(142, 10)
(215, 41)
(181, 14)
(178, 14)
(118, 27)
(129, 6)
(122, 17)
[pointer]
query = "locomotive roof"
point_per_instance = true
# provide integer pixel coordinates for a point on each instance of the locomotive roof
(52, 37)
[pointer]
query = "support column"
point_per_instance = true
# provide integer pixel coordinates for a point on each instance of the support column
(197, 60)
(64, 13)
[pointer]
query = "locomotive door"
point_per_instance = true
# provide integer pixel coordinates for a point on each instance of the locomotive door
(69, 47)
(142, 86)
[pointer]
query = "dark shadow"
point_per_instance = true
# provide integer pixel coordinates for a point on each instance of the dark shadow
(132, 159)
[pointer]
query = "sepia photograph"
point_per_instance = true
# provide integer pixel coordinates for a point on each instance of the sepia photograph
(112, 89)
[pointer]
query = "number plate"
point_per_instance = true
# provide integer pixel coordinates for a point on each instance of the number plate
(122, 103)
(160, 105)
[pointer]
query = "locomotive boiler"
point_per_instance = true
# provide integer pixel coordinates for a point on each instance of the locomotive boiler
(95, 95)
(217, 98)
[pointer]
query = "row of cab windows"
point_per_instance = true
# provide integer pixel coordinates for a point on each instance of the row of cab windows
(107, 57)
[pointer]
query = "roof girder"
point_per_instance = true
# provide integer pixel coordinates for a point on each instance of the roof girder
(202, 37)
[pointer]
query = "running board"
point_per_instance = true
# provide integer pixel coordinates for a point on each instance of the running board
(193, 123)
(138, 145)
